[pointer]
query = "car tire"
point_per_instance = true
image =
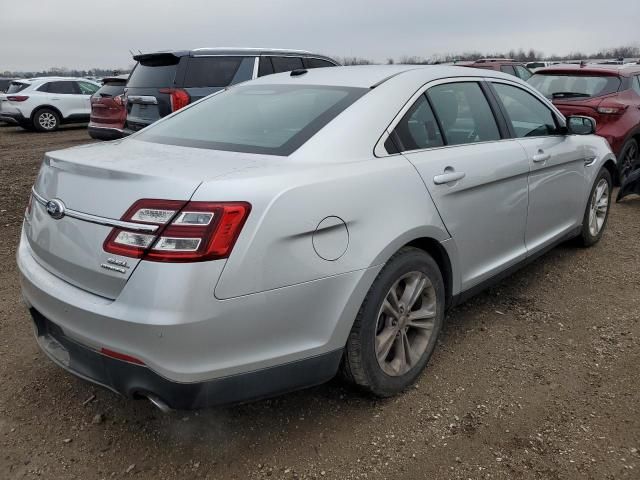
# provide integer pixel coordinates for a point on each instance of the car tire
(376, 329)
(46, 120)
(596, 213)
(629, 159)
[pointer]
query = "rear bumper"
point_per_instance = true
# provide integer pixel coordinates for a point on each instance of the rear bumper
(104, 133)
(132, 380)
(12, 117)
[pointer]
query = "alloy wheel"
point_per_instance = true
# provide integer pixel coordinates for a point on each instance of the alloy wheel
(47, 120)
(599, 207)
(405, 323)
(629, 160)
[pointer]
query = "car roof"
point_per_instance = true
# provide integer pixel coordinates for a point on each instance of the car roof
(593, 68)
(235, 51)
(370, 76)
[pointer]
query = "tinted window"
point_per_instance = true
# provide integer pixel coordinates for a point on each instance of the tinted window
(522, 72)
(464, 113)
(269, 119)
(16, 87)
(265, 67)
(317, 63)
(111, 90)
(286, 64)
(218, 71)
(419, 128)
(507, 69)
(87, 88)
(61, 87)
(529, 117)
(157, 71)
(574, 86)
(636, 84)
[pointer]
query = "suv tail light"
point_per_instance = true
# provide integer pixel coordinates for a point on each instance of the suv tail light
(179, 98)
(119, 99)
(17, 98)
(611, 109)
(187, 231)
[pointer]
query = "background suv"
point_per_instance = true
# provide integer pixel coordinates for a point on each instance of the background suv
(108, 112)
(45, 103)
(608, 93)
(505, 65)
(164, 82)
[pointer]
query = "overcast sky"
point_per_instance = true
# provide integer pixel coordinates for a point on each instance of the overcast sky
(39, 34)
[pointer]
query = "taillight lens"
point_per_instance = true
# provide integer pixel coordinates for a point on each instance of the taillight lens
(187, 231)
(119, 100)
(179, 98)
(611, 109)
(17, 98)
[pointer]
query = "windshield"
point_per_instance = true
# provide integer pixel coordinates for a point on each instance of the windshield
(16, 87)
(268, 119)
(556, 86)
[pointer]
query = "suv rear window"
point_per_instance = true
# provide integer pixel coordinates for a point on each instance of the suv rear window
(267, 119)
(155, 71)
(110, 90)
(16, 87)
(556, 86)
(218, 71)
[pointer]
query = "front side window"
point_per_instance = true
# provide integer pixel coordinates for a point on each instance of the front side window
(522, 72)
(529, 117)
(87, 88)
(464, 113)
(60, 87)
(418, 128)
(267, 119)
(569, 86)
(286, 64)
(317, 63)
(218, 71)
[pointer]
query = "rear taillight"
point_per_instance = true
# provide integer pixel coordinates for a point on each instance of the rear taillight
(611, 109)
(17, 98)
(179, 98)
(187, 231)
(119, 100)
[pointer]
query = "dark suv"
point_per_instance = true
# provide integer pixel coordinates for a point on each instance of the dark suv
(505, 65)
(164, 82)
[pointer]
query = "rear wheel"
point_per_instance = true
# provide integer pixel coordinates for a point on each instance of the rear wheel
(398, 324)
(629, 159)
(46, 120)
(597, 211)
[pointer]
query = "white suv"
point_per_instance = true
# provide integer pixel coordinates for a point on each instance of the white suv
(45, 103)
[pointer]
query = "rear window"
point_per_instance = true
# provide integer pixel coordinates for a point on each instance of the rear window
(218, 71)
(556, 86)
(110, 90)
(267, 119)
(156, 71)
(16, 87)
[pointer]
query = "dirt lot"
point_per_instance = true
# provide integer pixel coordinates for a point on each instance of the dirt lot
(536, 378)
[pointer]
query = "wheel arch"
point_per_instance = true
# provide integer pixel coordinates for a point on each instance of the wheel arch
(441, 257)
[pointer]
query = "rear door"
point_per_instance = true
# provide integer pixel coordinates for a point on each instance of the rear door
(86, 90)
(65, 96)
(557, 188)
(476, 177)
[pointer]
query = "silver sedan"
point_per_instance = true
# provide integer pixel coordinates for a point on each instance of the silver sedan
(265, 237)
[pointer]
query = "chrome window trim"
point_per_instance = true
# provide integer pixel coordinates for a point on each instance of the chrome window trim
(107, 222)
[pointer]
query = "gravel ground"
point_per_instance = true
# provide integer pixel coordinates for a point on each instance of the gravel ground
(536, 378)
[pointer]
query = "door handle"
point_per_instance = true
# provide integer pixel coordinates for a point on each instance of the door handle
(448, 176)
(541, 156)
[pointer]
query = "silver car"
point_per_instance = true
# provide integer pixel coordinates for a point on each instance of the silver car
(268, 236)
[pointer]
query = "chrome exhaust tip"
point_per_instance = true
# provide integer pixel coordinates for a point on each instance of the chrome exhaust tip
(158, 402)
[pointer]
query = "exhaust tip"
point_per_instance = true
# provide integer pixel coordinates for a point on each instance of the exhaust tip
(158, 402)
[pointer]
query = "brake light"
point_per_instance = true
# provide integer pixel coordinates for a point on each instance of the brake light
(119, 100)
(187, 231)
(179, 98)
(17, 98)
(611, 109)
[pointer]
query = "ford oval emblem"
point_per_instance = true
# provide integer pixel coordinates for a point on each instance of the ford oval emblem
(55, 209)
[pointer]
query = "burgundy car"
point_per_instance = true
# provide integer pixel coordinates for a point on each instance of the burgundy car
(505, 65)
(608, 93)
(108, 112)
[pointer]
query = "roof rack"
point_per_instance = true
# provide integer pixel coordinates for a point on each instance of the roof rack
(251, 49)
(487, 60)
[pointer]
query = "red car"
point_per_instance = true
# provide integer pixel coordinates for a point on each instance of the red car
(505, 65)
(608, 93)
(108, 112)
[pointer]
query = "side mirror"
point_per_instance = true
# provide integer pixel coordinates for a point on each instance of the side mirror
(579, 125)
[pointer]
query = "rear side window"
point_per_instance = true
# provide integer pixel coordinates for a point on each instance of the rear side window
(265, 67)
(60, 87)
(218, 71)
(317, 63)
(574, 86)
(522, 72)
(110, 90)
(464, 113)
(87, 88)
(508, 69)
(418, 128)
(286, 64)
(156, 71)
(16, 87)
(529, 117)
(267, 119)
